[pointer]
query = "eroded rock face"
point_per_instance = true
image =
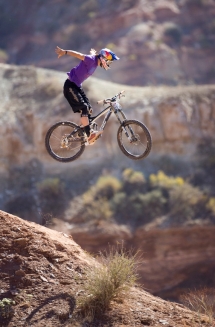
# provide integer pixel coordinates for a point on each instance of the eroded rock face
(178, 118)
(45, 274)
(32, 100)
(180, 55)
(173, 260)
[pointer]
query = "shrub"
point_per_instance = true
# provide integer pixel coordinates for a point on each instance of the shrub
(6, 310)
(136, 201)
(148, 206)
(201, 301)
(211, 205)
(97, 210)
(172, 33)
(132, 176)
(133, 180)
(139, 208)
(184, 202)
(50, 186)
(105, 187)
(163, 181)
(206, 149)
(3, 56)
(109, 280)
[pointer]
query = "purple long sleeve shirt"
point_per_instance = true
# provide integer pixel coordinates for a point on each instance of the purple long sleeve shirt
(83, 70)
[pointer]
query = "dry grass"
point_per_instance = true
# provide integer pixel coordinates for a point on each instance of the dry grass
(109, 280)
(202, 302)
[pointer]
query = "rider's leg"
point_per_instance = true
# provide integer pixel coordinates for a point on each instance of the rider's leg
(86, 100)
(85, 123)
(79, 102)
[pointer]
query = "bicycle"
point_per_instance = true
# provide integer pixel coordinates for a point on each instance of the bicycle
(66, 141)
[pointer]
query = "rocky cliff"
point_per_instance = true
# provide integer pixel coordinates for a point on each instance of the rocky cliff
(175, 259)
(42, 276)
(159, 42)
(31, 101)
(178, 118)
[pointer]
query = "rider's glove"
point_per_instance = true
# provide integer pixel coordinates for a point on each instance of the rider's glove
(90, 110)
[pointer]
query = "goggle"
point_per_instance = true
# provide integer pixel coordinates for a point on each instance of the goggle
(105, 63)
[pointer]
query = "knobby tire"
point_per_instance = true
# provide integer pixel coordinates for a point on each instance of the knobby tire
(53, 142)
(137, 145)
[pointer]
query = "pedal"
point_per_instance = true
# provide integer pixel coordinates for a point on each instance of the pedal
(92, 141)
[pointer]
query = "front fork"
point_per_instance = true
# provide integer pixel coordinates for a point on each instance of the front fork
(117, 112)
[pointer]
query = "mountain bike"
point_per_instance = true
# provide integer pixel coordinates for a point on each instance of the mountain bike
(66, 141)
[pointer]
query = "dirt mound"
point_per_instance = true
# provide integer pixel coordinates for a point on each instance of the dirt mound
(43, 271)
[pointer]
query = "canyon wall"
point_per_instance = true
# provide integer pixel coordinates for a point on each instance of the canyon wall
(178, 118)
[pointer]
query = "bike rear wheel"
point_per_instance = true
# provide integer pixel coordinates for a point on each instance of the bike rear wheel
(134, 139)
(64, 141)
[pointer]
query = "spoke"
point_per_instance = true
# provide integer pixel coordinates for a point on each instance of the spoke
(135, 142)
(56, 137)
(56, 141)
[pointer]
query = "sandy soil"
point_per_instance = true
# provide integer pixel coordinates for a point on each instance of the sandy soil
(43, 271)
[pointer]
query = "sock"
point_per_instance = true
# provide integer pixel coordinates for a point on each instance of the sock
(87, 130)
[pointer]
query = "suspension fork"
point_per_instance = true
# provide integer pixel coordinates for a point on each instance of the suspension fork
(117, 112)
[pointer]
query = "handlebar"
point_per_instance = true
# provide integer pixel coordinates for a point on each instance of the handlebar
(112, 99)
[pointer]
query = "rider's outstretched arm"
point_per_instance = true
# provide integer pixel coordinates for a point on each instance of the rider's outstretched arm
(61, 52)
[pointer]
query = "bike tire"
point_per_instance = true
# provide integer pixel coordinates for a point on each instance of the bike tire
(140, 146)
(56, 134)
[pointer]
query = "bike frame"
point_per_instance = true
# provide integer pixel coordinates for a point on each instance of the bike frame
(114, 107)
(107, 112)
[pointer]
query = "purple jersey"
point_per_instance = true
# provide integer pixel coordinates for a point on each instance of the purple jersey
(83, 70)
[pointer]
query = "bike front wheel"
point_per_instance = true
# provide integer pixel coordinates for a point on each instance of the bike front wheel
(64, 141)
(134, 139)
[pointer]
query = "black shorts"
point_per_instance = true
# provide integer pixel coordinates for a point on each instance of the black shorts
(76, 98)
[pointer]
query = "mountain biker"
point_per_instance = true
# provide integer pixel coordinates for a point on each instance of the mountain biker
(73, 90)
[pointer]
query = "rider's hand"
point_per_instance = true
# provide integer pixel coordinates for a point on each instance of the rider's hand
(60, 52)
(90, 111)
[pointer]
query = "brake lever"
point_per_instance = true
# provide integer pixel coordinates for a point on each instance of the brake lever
(121, 94)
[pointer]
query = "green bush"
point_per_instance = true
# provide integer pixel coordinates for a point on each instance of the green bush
(49, 186)
(146, 207)
(133, 180)
(161, 180)
(210, 206)
(105, 187)
(206, 149)
(184, 202)
(6, 309)
(139, 208)
(96, 210)
(136, 201)
(133, 177)
(172, 33)
(3, 56)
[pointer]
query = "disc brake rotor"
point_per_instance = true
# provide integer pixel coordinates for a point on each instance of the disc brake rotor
(135, 139)
(64, 142)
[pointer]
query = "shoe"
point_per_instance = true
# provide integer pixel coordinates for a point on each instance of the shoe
(93, 136)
